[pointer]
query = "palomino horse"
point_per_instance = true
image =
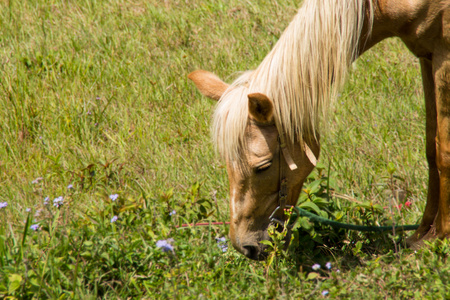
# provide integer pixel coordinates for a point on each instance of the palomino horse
(266, 122)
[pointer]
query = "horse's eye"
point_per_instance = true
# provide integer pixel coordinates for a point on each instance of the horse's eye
(263, 167)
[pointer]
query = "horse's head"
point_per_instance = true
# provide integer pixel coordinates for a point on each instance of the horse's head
(256, 177)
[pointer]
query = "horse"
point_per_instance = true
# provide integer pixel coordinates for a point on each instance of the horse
(266, 123)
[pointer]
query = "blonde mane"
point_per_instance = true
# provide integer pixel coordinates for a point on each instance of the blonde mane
(301, 75)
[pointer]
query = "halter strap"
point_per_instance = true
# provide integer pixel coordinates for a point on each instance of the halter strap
(286, 154)
(312, 158)
(283, 192)
(284, 149)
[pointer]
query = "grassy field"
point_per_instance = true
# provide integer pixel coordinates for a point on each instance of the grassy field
(105, 150)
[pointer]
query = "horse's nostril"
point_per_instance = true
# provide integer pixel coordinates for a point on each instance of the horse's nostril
(251, 251)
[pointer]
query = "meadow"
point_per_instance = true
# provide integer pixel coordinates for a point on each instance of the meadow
(106, 150)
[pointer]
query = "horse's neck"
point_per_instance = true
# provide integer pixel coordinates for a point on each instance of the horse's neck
(412, 21)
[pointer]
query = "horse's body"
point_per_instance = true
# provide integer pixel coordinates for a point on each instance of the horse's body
(286, 95)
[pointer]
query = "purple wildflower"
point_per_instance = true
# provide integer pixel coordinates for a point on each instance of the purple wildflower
(222, 243)
(113, 219)
(70, 186)
(3, 204)
(46, 200)
(328, 265)
(325, 293)
(28, 209)
(113, 197)
(173, 212)
(34, 227)
(165, 245)
(57, 202)
(315, 267)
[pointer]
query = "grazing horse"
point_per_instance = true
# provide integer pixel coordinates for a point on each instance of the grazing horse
(266, 122)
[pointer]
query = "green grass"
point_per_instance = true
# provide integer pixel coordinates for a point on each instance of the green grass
(94, 94)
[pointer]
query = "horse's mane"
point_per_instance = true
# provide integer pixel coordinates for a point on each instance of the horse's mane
(301, 74)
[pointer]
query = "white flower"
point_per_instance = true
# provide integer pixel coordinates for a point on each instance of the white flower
(315, 267)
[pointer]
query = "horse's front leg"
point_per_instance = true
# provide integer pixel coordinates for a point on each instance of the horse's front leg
(441, 70)
(433, 175)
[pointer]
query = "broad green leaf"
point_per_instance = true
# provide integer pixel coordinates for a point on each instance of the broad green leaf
(14, 282)
(305, 223)
(338, 215)
(265, 242)
(312, 276)
(314, 187)
(308, 205)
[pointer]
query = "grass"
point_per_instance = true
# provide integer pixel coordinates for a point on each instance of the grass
(95, 101)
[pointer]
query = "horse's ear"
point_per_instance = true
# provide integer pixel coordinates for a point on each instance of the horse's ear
(208, 84)
(260, 108)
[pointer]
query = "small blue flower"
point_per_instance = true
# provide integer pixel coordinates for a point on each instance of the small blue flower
(57, 202)
(3, 204)
(113, 219)
(328, 265)
(113, 197)
(315, 267)
(173, 212)
(222, 243)
(70, 186)
(325, 293)
(35, 227)
(165, 245)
